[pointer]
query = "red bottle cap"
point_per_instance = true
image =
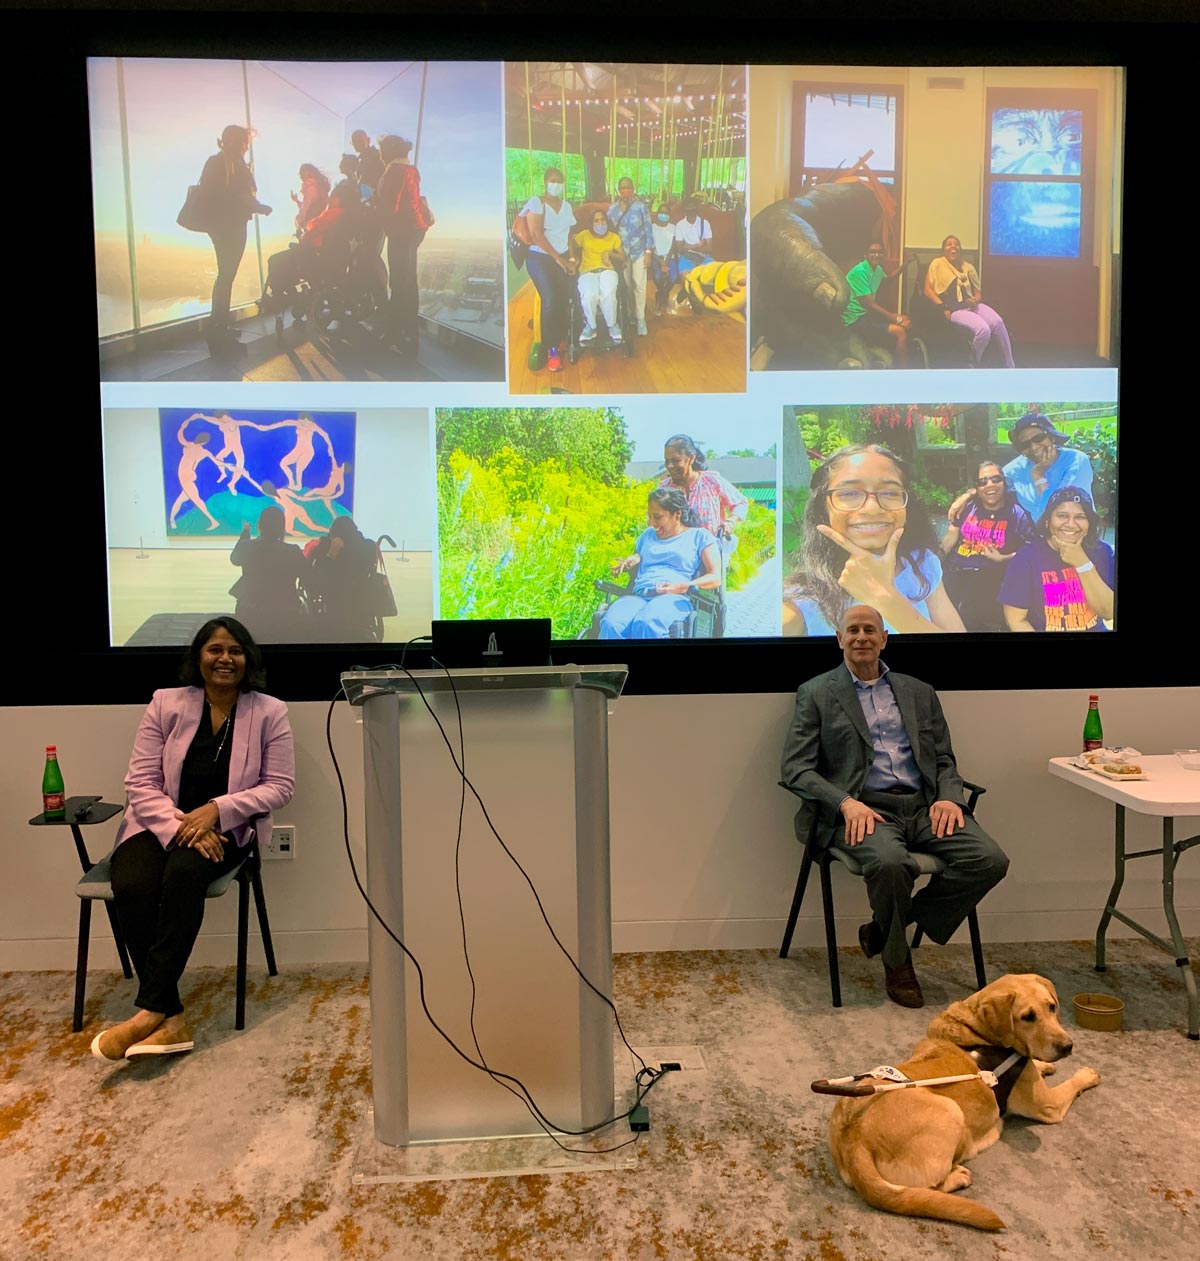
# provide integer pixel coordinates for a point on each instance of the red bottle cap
(1093, 698)
(52, 748)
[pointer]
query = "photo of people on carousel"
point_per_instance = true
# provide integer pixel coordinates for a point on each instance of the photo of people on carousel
(268, 220)
(966, 219)
(626, 220)
(300, 524)
(608, 523)
(950, 517)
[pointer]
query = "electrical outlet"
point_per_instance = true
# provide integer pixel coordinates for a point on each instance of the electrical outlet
(281, 843)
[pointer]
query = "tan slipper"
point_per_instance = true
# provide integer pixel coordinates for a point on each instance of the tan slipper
(167, 1039)
(111, 1044)
(98, 1049)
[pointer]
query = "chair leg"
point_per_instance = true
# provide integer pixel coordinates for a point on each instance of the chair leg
(81, 958)
(916, 941)
(835, 979)
(797, 898)
(977, 948)
(243, 928)
(260, 905)
(119, 940)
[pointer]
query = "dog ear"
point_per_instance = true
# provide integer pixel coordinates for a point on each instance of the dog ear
(1049, 984)
(996, 1011)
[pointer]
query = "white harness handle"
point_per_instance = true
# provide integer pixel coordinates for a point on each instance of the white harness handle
(885, 1078)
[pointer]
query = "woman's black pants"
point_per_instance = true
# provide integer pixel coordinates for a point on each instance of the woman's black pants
(230, 245)
(160, 900)
(554, 288)
(402, 276)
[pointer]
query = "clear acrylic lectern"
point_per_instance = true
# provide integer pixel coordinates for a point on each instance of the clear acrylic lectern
(536, 750)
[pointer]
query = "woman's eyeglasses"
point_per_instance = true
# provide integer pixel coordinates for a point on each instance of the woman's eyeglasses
(851, 498)
(993, 479)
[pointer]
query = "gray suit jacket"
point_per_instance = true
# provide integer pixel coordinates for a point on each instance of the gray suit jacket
(828, 751)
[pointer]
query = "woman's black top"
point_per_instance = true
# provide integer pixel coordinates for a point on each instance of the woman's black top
(205, 772)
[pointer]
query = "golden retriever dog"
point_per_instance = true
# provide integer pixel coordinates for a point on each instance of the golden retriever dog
(903, 1150)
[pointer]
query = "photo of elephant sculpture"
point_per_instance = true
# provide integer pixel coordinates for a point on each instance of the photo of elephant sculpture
(800, 249)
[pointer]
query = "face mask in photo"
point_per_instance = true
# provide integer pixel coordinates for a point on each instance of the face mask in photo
(554, 189)
(600, 229)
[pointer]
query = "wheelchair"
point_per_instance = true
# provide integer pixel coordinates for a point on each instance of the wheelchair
(932, 338)
(336, 289)
(704, 620)
(626, 320)
(331, 612)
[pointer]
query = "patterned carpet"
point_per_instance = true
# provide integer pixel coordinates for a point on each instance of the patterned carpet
(247, 1146)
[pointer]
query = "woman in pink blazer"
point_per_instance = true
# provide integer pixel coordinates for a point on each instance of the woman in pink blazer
(207, 759)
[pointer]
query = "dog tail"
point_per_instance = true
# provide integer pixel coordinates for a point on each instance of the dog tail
(914, 1201)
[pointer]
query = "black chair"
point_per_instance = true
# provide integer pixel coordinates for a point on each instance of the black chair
(96, 885)
(806, 828)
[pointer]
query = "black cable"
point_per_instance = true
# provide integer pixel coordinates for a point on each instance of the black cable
(460, 766)
(512, 857)
(416, 639)
(500, 1077)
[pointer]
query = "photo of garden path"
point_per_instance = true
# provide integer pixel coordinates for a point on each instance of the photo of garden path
(973, 493)
(537, 505)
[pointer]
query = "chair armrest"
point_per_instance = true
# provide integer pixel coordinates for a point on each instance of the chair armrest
(611, 588)
(797, 792)
(805, 822)
(974, 792)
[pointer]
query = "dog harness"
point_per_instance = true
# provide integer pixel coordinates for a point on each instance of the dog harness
(1002, 1066)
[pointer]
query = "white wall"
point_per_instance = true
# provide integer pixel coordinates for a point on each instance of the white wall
(702, 847)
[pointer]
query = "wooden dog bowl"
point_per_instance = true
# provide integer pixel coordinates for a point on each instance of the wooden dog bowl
(1099, 1011)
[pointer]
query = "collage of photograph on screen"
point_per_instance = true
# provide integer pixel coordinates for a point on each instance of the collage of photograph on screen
(334, 297)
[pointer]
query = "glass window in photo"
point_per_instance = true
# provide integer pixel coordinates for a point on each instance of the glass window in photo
(1035, 219)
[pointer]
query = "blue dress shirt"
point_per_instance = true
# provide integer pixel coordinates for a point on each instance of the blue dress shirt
(895, 764)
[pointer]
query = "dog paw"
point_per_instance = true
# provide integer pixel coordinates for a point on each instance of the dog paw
(1046, 1069)
(1086, 1078)
(960, 1177)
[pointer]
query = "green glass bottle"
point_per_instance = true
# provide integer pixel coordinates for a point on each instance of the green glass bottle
(1093, 730)
(54, 802)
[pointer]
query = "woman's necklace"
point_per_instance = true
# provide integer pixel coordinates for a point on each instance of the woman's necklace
(223, 728)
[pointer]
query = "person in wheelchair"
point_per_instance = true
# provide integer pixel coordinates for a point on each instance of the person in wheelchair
(670, 558)
(598, 249)
(338, 584)
(324, 245)
(952, 283)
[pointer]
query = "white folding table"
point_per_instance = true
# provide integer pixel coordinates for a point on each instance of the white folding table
(1169, 792)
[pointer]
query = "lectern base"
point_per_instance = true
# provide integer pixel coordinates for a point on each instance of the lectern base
(376, 1162)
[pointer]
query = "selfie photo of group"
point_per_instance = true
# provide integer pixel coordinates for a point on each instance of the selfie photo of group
(951, 517)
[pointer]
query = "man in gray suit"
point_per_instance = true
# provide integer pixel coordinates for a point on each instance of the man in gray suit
(873, 750)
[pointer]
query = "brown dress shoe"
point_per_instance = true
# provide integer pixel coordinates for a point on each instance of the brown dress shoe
(870, 938)
(902, 985)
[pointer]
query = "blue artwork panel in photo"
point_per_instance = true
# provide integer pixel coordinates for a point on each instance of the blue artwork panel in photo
(1035, 219)
(1037, 142)
(221, 469)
